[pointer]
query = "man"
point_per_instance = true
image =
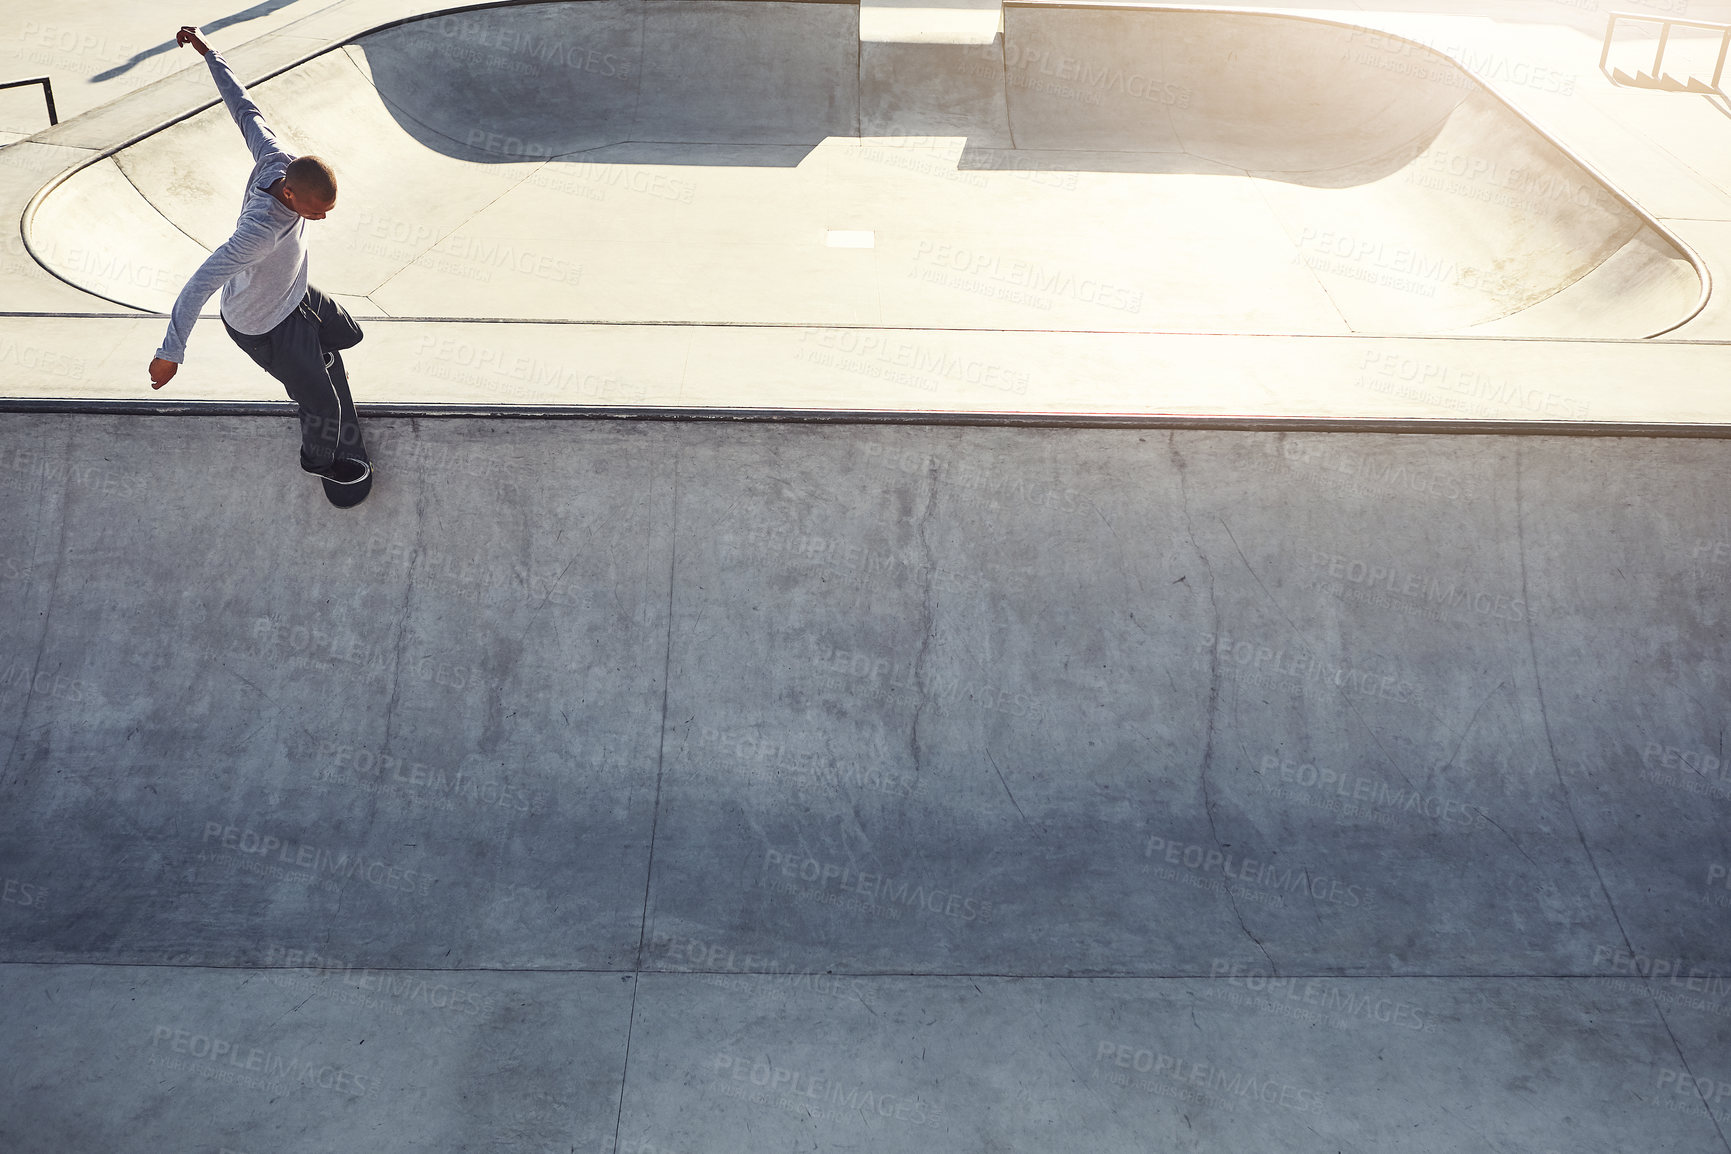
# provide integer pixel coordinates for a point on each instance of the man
(293, 331)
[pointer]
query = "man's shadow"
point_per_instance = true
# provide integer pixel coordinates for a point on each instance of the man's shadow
(241, 17)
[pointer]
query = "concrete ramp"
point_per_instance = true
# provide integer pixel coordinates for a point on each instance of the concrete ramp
(492, 814)
(1106, 169)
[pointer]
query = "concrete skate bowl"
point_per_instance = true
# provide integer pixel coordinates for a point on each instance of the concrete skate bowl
(741, 162)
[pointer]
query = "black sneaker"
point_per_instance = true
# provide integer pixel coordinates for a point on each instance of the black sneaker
(347, 472)
(342, 470)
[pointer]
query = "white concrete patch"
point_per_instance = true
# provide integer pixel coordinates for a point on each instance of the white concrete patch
(850, 238)
(923, 22)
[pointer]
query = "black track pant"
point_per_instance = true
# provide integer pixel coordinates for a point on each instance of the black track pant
(294, 353)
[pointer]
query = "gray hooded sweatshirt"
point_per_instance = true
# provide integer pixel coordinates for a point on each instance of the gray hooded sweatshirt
(262, 268)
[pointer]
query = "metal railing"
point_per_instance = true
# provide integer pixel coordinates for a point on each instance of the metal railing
(47, 93)
(1667, 23)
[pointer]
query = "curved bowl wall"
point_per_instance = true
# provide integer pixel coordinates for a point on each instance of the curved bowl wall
(1096, 168)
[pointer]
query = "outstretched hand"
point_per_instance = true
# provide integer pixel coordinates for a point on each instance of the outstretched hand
(161, 372)
(189, 35)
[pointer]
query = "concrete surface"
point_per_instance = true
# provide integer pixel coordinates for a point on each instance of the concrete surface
(925, 22)
(96, 53)
(701, 788)
(813, 372)
(1642, 140)
(1107, 169)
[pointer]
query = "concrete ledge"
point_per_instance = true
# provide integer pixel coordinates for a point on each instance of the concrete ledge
(1429, 384)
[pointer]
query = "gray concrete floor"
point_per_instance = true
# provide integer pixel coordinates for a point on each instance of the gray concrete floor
(698, 787)
(701, 787)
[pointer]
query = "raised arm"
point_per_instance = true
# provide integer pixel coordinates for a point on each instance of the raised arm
(260, 140)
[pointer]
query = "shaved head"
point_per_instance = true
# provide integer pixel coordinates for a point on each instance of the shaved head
(312, 178)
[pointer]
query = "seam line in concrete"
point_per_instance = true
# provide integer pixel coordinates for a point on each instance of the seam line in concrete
(666, 670)
(868, 326)
(1416, 426)
(625, 1066)
(944, 975)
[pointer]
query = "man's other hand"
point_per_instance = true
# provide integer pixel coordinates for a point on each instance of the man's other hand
(189, 35)
(161, 372)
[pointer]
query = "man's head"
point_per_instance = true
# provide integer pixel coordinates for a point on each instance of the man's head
(309, 187)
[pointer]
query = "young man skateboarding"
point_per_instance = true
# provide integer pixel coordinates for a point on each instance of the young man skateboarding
(295, 332)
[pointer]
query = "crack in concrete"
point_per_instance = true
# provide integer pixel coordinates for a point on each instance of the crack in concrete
(1505, 833)
(48, 611)
(1213, 689)
(1544, 714)
(1010, 795)
(926, 617)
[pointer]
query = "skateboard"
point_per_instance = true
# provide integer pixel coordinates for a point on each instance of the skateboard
(347, 496)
